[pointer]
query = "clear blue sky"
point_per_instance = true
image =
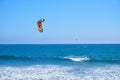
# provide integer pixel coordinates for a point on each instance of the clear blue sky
(66, 21)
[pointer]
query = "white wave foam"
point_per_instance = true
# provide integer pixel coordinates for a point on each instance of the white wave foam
(78, 59)
(53, 72)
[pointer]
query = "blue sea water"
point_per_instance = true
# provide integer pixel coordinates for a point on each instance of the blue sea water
(59, 61)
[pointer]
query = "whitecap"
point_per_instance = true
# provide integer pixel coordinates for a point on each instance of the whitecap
(78, 59)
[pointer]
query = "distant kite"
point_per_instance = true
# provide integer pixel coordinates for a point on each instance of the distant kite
(39, 23)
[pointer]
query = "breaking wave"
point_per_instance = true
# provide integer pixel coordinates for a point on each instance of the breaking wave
(54, 58)
(78, 59)
(54, 72)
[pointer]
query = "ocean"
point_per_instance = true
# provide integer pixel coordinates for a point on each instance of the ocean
(60, 62)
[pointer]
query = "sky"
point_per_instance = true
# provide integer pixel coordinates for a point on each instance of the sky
(66, 21)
